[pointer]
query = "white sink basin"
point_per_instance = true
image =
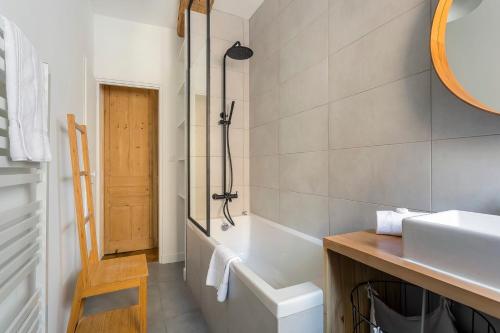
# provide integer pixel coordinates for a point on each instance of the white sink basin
(460, 243)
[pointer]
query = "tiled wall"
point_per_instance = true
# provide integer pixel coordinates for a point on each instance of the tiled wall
(347, 116)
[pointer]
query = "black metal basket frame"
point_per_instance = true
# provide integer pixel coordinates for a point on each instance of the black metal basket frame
(359, 318)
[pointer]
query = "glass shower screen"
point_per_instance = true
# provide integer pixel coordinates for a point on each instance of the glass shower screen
(198, 113)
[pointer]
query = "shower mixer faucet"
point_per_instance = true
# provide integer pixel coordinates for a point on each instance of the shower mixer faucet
(225, 196)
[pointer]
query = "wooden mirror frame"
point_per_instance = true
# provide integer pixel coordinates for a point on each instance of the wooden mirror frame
(440, 59)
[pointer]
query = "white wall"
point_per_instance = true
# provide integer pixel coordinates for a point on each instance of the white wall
(61, 31)
(154, 12)
(142, 54)
(128, 51)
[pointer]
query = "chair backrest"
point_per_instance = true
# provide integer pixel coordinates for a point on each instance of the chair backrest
(89, 258)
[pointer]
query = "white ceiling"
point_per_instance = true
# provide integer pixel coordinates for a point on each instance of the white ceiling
(164, 12)
(241, 8)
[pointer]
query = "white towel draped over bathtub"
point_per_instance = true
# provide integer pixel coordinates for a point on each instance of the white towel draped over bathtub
(218, 271)
(27, 97)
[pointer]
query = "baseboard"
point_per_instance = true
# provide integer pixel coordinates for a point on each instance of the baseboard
(171, 258)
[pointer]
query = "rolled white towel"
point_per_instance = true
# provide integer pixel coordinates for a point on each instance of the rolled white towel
(391, 222)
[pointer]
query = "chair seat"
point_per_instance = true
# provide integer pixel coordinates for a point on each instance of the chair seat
(119, 270)
(116, 321)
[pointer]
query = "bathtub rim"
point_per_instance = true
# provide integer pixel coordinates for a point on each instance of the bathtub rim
(289, 230)
(281, 302)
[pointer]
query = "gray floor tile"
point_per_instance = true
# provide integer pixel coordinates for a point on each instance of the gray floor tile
(165, 273)
(176, 299)
(119, 299)
(156, 327)
(191, 322)
(171, 306)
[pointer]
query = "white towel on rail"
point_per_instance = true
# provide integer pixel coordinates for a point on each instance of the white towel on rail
(27, 97)
(218, 271)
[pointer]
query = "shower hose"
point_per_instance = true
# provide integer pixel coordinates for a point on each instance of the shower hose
(227, 200)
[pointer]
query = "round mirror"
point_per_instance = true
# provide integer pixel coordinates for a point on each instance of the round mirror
(466, 51)
(461, 8)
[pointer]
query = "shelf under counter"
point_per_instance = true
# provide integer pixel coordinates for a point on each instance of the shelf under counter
(361, 256)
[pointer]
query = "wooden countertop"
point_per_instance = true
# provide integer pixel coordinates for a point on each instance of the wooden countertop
(385, 253)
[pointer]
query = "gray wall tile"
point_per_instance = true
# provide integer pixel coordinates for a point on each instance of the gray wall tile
(306, 213)
(264, 78)
(349, 216)
(198, 174)
(284, 3)
(198, 134)
(351, 174)
(264, 139)
(352, 19)
(377, 59)
(226, 26)
(265, 44)
(305, 50)
(266, 14)
(307, 131)
(466, 173)
(265, 108)
(396, 175)
(298, 15)
(394, 113)
(264, 171)
(385, 106)
(305, 91)
(305, 172)
(452, 118)
(265, 202)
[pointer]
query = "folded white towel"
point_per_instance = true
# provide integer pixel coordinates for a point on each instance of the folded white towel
(391, 223)
(218, 271)
(27, 97)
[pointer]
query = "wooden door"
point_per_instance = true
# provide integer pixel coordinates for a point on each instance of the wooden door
(130, 169)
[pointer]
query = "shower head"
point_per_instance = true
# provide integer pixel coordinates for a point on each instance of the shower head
(239, 52)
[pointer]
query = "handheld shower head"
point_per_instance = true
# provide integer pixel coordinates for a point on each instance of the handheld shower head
(231, 111)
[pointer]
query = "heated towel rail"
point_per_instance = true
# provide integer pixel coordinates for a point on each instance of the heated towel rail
(22, 232)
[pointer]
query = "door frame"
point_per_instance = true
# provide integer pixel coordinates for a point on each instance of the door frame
(162, 159)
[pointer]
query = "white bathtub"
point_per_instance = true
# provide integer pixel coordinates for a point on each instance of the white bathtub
(277, 286)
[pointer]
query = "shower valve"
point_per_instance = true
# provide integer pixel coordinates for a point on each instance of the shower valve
(224, 122)
(228, 196)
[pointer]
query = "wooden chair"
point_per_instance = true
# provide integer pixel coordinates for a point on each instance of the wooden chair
(99, 277)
